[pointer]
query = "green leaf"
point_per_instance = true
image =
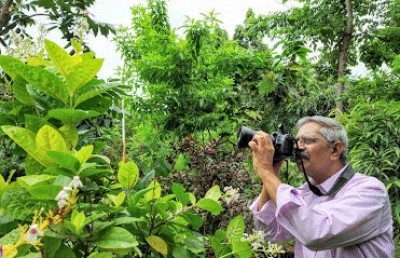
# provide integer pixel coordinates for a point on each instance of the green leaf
(195, 220)
(70, 134)
(119, 199)
(7, 224)
(78, 220)
(94, 91)
(180, 163)
(50, 139)
(59, 57)
(65, 251)
(77, 46)
(45, 81)
(268, 84)
(101, 255)
(50, 246)
(29, 181)
(84, 154)
(217, 240)
(20, 205)
(72, 116)
(158, 244)
(155, 192)
(65, 160)
(10, 238)
(26, 139)
(21, 93)
(44, 192)
(83, 73)
(132, 201)
(235, 229)
(214, 193)
(210, 205)
(241, 249)
(11, 65)
(128, 174)
(180, 193)
(116, 238)
(34, 123)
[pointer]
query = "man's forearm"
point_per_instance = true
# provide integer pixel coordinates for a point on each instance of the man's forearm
(264, 198)
(270, 187)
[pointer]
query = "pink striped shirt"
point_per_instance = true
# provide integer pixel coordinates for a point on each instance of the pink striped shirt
(354, 223)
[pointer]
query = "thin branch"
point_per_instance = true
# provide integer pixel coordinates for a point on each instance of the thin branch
(20, 19)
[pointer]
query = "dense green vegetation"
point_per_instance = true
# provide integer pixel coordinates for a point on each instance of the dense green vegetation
(147, 164)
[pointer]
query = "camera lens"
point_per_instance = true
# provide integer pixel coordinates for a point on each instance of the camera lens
(245, 135)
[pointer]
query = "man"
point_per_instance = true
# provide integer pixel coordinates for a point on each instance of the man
(348, 215)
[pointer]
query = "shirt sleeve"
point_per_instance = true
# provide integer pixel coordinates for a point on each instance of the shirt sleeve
(351, 218)
(265, 220)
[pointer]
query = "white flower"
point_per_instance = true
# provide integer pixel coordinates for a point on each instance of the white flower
(33, 234)
(61, 203)
(62, 195)
(76, 183)
(231, 195)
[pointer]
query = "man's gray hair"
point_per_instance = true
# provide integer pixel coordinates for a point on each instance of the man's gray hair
(330, 129)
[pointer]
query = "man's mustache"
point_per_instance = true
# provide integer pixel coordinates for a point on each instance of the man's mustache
(301, 154)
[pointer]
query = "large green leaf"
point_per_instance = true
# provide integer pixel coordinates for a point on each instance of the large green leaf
(210, 205)
(235, 229)
(70, 134)
(29, 181)
(83, 73)
(65, 160)
(50, 139)
(10, 65)
(84, 154)
(180, 193)
(44, 80)
(44, 192)
(214, 193)
(241, 249)
(70, 116)
(21, 93)
(158, 244)
(128, 174)
(94, 91)
(116, 238)
(59, 57)
(26, 139)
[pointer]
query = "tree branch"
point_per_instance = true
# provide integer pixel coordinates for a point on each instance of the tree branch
(22, 18)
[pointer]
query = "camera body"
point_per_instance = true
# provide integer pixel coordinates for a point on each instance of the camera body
(284, 144)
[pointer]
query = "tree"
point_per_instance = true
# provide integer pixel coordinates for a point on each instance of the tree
(16, 16)
(334, 30)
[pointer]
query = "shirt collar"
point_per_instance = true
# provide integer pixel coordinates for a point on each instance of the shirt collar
(328, 183)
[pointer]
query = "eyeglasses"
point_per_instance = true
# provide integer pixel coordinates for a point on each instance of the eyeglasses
(307, 140)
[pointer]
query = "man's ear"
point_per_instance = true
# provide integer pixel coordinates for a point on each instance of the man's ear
(337, 149)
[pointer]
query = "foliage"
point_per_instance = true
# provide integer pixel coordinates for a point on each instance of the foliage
(115, 213)
(17, 16)
(373, 130)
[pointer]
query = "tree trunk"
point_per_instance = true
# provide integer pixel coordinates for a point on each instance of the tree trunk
(4, 17)
(343, 48)
(5, 10)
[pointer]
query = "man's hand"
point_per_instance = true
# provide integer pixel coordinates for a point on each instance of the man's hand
(263, 154)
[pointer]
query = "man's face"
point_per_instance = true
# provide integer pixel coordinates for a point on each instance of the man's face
(316, 150)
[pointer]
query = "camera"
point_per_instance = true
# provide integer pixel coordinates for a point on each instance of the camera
(284, 144)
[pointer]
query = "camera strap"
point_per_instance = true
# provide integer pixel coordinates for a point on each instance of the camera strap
(346, 175)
